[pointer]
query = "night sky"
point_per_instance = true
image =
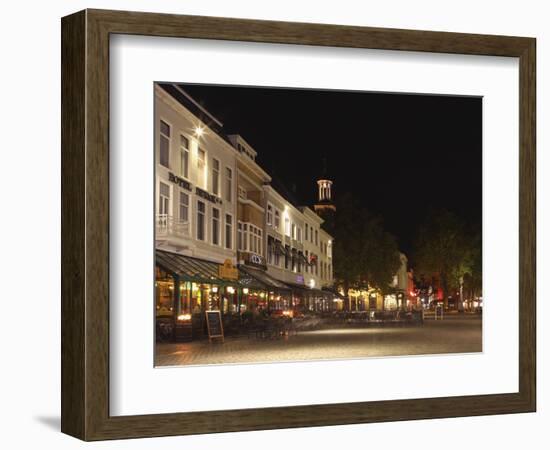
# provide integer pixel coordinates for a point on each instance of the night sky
(400, 155)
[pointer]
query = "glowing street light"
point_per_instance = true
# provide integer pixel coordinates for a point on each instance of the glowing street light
(199, 131)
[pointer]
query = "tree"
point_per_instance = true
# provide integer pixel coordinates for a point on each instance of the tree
(444, 247)
(365, 255)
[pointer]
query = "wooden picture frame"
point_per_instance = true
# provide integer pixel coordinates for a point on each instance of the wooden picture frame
(85, 224)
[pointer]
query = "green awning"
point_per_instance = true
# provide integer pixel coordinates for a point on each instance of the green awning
(188, 268)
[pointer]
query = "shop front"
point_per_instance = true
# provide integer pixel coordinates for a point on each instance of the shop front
(262, 293)
(187, 287)
(310, 300)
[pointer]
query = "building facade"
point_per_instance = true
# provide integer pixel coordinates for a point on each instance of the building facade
(225, 239)
(195, 184)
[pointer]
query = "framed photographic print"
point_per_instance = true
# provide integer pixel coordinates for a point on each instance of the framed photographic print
(314, 224)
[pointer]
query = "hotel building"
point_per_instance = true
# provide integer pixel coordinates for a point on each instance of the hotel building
(225, 239)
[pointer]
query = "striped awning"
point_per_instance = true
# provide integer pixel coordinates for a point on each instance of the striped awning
(189, 268)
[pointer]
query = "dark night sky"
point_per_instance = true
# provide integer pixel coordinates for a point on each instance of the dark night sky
(399, 154)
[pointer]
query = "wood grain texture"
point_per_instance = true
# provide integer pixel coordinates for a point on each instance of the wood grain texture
(85, 224)
(73, 226)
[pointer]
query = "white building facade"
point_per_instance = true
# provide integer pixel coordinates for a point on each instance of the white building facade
(195, 177)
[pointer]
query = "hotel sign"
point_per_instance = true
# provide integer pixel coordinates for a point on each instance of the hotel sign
(179, 181)
(211, 198)
(228, 271)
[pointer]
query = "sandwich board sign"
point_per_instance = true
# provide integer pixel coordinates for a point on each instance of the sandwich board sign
(214, 325)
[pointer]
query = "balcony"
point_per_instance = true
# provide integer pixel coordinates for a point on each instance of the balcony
(168, 226)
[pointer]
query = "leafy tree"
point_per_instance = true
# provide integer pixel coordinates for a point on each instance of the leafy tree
(443, 246)
(365, 255)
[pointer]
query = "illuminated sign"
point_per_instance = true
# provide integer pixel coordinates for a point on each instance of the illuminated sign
(253, 259)
(228, 271)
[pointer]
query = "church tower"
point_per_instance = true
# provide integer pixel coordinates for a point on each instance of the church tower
(324, 199)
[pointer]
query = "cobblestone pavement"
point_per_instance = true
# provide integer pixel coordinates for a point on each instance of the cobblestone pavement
(456, 335)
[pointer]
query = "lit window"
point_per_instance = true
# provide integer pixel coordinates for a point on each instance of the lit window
(215, 176)
(287, 226)
(164, 199)
(277, 222)
(184, 207)
(184, 156)
(201, 166)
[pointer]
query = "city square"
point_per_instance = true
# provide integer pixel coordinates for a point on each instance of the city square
(453, 334)
(258, 260)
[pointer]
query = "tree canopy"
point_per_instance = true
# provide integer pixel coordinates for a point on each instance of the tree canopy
(445, 246)
(365, 255)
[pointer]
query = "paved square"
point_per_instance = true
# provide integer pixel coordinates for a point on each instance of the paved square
(452, 335)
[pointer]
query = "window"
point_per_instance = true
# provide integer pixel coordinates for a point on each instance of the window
(240, 237)
(215, 176)
(329, 249)
(215, 226)
(184, 207)
(299, 236)
(277, 256)
(277, 222)
(228, 184)
(201, 166)
(164, 198)
(307, 259)
(252, 239)
(306, 230)
(287, 226)
(316, 237)
(249, 238)
(201, 210)
(270, 249)
(300, 256)
(287, 257)
(255, 239)
(228, 231)
(184, 156)
(293, 231)
(311, 234)
(164, 157)
(269, 214)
